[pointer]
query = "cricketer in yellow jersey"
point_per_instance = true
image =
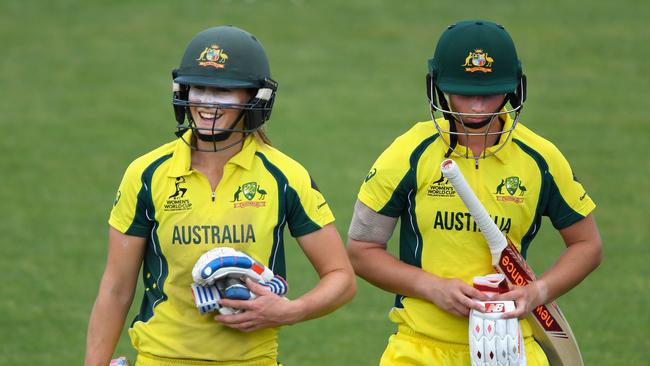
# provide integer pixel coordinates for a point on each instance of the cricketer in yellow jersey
(220, 184)
(518, 176)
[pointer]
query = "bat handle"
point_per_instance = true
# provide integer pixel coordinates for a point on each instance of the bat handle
(494, 237)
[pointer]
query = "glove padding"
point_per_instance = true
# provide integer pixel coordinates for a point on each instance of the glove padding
(492, 340)
(207, 298)
(221, 273)
(221, 262)
(495, 341)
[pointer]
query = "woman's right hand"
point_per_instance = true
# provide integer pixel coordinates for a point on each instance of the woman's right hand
(455, 296)
(267, 310)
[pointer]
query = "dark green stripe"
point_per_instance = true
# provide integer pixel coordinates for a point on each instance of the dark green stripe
(561, 214)
(550, 202)
(397, 202)
(542, 200)
(277, 261)
(154, 265)
(411, 243)
(395, 205)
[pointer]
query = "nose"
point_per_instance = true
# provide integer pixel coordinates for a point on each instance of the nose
(477, 104)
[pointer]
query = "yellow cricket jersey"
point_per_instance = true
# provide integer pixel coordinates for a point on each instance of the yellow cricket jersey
(529, 178)
(163, 199)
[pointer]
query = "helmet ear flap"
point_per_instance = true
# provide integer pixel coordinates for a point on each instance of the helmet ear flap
(431, 95)
(180, 93)
(518, 97)
(436, 96)
(262, 105)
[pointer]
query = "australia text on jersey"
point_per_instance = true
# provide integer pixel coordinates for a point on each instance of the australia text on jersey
(462, 221)
(213, 234)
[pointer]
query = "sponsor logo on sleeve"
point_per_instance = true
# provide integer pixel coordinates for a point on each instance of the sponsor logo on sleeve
(371, 174)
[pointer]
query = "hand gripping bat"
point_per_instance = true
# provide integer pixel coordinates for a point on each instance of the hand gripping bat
(550, 327)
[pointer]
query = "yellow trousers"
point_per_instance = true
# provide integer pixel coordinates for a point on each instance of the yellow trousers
(408, 348)
(150, 360)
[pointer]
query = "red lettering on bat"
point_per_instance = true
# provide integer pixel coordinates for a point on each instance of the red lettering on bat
(546, 319)
(511, 267)
(514, 267)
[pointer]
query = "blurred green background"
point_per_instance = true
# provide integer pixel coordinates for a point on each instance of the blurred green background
(86, 88)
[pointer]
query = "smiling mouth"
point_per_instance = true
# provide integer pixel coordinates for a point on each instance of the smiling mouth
(207, 116)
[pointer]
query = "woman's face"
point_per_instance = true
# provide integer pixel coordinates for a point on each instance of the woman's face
(475, 104)
(207, 118)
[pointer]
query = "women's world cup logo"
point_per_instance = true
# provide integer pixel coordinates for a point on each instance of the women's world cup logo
(213, 56)
(478, 60)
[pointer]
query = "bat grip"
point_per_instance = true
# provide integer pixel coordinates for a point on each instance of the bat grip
(497, 242)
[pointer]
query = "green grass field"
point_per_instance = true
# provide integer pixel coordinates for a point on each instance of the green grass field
(86, 89)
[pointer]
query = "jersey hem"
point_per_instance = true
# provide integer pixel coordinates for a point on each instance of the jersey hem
(142, 232)
(367, 200)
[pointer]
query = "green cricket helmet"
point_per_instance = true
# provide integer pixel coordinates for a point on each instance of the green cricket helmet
(475, 57)
(230, 58)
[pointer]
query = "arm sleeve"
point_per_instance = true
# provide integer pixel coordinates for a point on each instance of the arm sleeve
(568, 201)
(129, 214)
(370, 226)
(307, 209)
(386, 187)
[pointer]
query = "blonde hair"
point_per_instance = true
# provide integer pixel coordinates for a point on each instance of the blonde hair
(260, 133)
(261, 136)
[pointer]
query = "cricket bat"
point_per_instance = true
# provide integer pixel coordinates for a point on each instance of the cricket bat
(550, 327)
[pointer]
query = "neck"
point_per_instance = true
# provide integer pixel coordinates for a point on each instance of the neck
(211, 164)
(211, 160)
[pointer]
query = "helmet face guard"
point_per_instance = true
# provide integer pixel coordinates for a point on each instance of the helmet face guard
(475, 58)
(254, 114)
(439, 103)
(227, 58)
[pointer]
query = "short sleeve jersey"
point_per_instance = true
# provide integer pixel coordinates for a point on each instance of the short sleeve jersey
(528, 179)
(173, 206)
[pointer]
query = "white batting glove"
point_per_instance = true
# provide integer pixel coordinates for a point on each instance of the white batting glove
(207, 298)
(221, 262)
(492, 340)
(220, 274)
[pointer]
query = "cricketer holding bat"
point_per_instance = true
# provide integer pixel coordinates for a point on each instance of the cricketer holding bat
(476, 86)
(220, 187)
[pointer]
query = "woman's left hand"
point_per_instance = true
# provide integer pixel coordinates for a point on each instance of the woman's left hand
(267, 310)
(526, 299)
